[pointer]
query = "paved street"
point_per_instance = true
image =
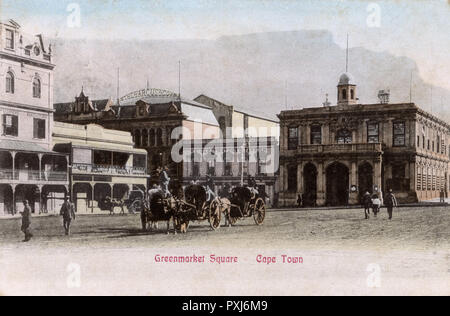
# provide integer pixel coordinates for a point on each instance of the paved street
(340, 250)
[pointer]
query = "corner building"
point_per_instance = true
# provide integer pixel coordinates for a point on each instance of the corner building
(332, 155)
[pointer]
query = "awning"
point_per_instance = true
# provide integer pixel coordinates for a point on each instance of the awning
(14, 145)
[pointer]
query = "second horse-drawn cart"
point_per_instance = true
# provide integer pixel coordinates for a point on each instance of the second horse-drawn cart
(196, 206)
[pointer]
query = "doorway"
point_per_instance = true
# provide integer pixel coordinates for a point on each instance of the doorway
(337, 184)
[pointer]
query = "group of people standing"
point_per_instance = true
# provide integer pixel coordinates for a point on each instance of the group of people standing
(374, 201)
(67, 212)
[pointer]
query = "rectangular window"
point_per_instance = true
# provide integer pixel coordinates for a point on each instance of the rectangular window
(10, 39)
(399, 134)
(423, 142)
(373, 133)
(293, 138)
(39, 129)
(228, 169)
(418, 141)
(316, 135)
(10, 125)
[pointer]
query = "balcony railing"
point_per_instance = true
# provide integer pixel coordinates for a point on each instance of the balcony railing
(336, 148)
(109, 170)
(33, 175)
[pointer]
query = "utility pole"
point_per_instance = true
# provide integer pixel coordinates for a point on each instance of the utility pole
(118, 85)
(179, 79)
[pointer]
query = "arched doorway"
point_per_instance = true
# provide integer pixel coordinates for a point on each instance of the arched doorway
(337, 184)
(365, 179)
(309, 185)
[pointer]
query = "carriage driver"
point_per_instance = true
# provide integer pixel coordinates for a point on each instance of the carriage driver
(211, 195)
(164, 181)
(253, 186)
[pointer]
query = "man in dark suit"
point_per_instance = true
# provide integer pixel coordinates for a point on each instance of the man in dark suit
(68, 214)
(390, 201)
(26, 221)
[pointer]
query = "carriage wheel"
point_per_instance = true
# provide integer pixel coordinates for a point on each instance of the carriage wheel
(260, 212)
(215, 215)
(136, 206)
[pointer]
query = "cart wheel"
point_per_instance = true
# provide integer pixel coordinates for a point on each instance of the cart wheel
(215, 215)
(260, 212)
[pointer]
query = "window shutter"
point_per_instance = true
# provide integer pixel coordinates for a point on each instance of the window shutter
(35, 129)
(15, 124)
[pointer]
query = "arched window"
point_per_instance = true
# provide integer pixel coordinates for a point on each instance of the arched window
(152, 138)
(144, 138)
(344, 136)
(137, 138)
(9, 82)
(352, 94)
(36, 88)
(292, 178)
(344, 94)
(159, 140)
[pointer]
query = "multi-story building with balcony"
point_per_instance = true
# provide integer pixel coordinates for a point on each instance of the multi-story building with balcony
(29, 168)
(331, 155)
(104, 163)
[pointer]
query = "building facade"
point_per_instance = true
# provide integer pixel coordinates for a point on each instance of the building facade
(104, 163)
(159, 120)
(151, 116)
(332, 155)
(29, 168)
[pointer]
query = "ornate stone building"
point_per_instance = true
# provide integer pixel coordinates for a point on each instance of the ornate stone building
(331, 155)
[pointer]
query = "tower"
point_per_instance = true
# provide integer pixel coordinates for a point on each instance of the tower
(346, 90)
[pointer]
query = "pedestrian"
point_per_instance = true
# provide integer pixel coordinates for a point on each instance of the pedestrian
(390, 201)
(68, 214)
(367, 201)
(26, 221)
(442, 196)
(376, 204)
(299, 200)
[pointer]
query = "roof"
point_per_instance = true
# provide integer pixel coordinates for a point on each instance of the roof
(201, 114)
(346, 79)
(23, 146)
(100, 105)
(253, 113)
(63, 107)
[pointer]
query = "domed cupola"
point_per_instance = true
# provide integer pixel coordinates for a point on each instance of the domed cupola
(346, 90)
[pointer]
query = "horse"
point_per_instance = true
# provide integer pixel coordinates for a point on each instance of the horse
(160, 208)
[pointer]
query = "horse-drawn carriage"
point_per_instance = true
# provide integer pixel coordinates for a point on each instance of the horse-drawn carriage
(246, 202)
(196, 206)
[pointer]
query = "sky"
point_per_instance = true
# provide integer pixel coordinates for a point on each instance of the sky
(418, 29)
